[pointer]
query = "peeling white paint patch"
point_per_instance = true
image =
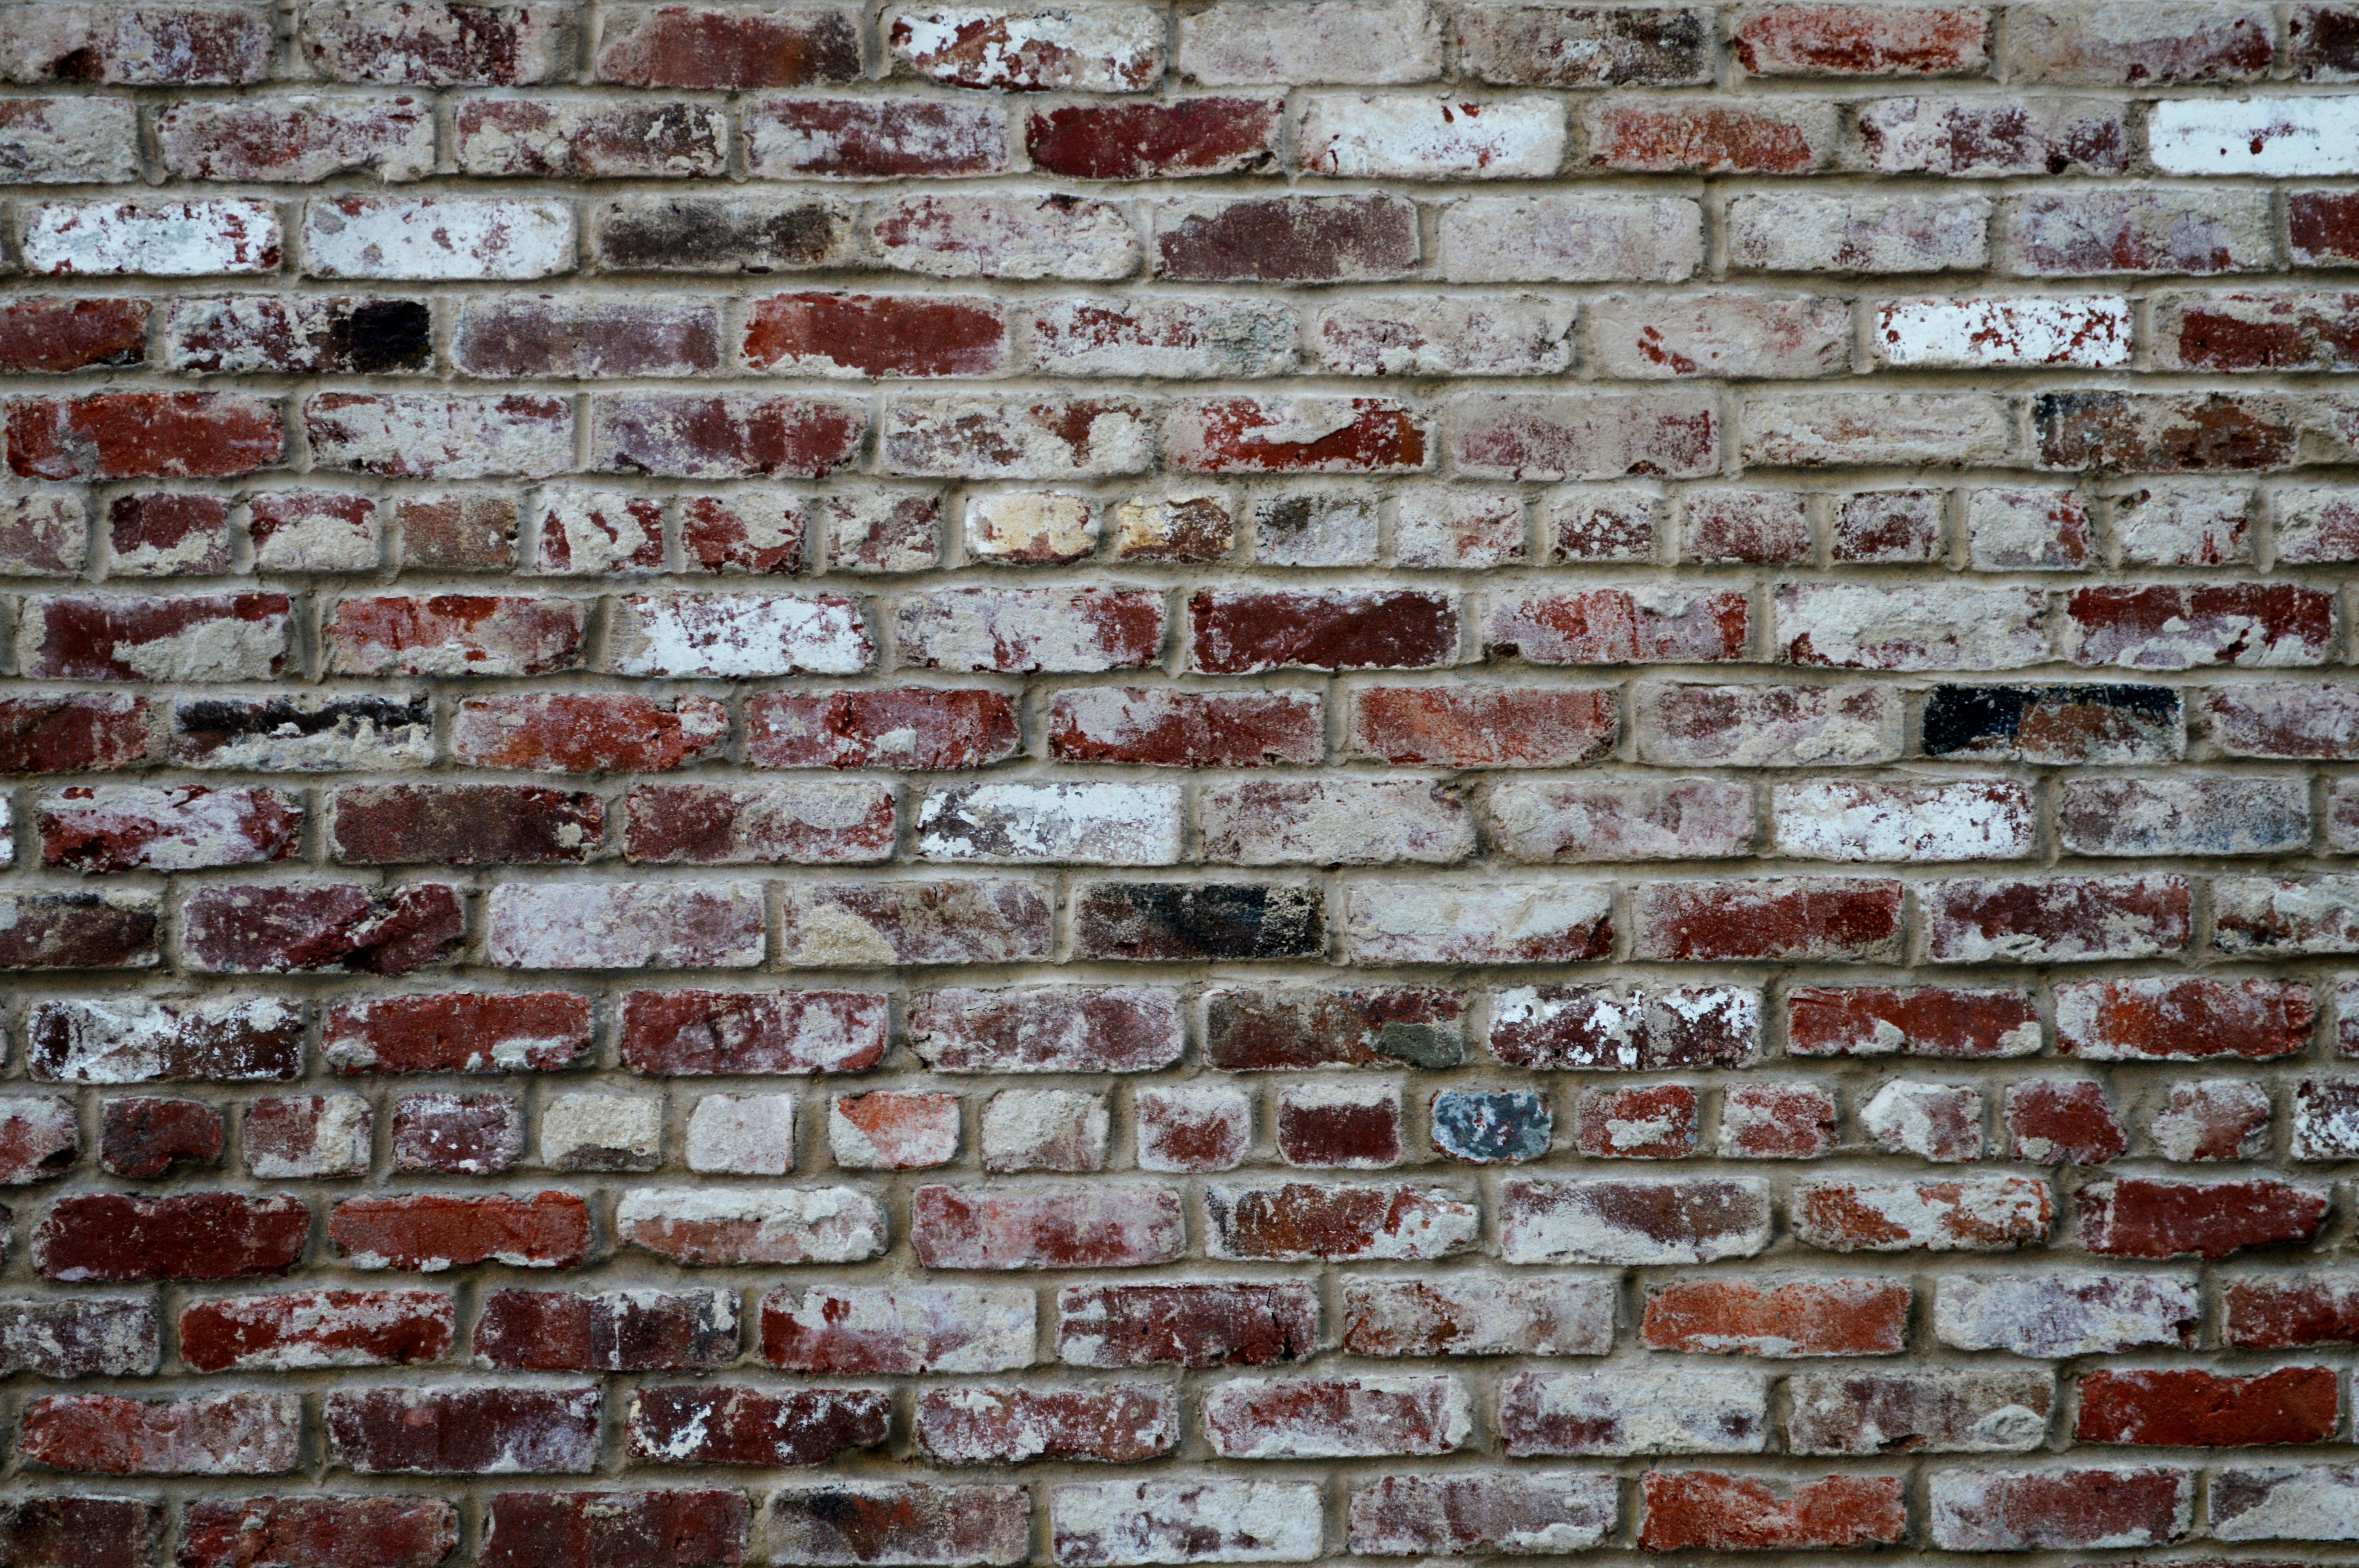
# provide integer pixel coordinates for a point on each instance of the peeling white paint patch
(1357, 136)
(741, 634)
(427, 238)
(1117, 1524)
(2268, 137)
(156, 239)
(1084, 824)
(2091, 332)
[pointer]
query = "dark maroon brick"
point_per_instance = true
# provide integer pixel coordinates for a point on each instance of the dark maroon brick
(717, 1425)
(291, 928)
(72, 733)
(1197, 1325)
(60, 334)
(2133, 1217)
(144, 1137)
(1302, 239)
(619, 1331)
(1192, 137)
(663, 1529)
(1242, 633)
(463, 825)
(111, 1239)
(463, 1430)
(318, 1533)
(77, 931)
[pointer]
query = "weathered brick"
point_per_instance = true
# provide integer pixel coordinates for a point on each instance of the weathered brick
(1690, 1508)
(114, 1238)
(463, 1430)
(299, 140)
(1645, 1411)
(1337, 1222)
(432, 1233)
(676, 1527)
(1633, 1221)
(1972, 1214)
(1850, 1412)
(1119, 1226)
(317, 1328)
(436, 43)
(1295, 239)
(706, 47)
(600, 732)
(1989, 1510)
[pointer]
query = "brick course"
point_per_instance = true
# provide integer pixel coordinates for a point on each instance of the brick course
(794, 784)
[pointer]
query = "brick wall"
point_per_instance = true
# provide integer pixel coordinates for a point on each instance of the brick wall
(1333, 779)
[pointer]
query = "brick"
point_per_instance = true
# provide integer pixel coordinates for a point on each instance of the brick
(1115, 1524)
(146, 1136)
(142, 434)
(1046, 1029)
(843, 1523)
(317, 1328)
(2274, 136)
(1480, 726)
(470, 1135)
(314, 531)
(961, 921)
(1851, 1412)
(1755, 527)
(1353, 1127)
(625, 925)
(719, 234)
(1692, 820)
(738, 634)
(463, 825)
(2219, 1119)
(1795, 232)
(718, 1424)
(1585, 46)
(1251, 42)
(2257, 914)
(1214, 920)
(1990, 1510)
(886, 1131)
(2277, 719)
(504, 338)
(431, 1233)
(1987, 138)
(1674, 135)
(1587, 436)
(1120, 1424)
(1767, 726)
(38, 1139)
(1094, 824)
(1106, 724)
(2056, 1315)
(439, 43)
(290, 928)
(1103, 48)
(867, 1330)
(2244, 332)
(1561, 1028)
(1646, 1410)
(2186, 525)
(2325, 1118)
(1880, 528)
(683, 436)
(1298, 1418)
(2091, 233)
(55, 334)
(1618, 626)
(1631, 1222)
(2163, 433)
(1298, 239)
(558, 138)
(1485, 1316)
(114, 1238)
(2064, 1121)
(167, 534)
(1191, 1129)
(1508, 335)
(751, 1135)
(2282, 1504)
(705, 47)
(1470, 1514)
(426, 436)
(153, 239)
(870, 335)
(1191, 137)
(1337, 1222)
(458, 1033)
(124, 1039)
(1015, 237)
(1841, 429)
(1777, 1121)
(309, 1136)
(298, 140)
(100, 828)
(2132, 1217)
(1941, 1123)
(1248, 1030)
(2162, 1019)
(1976, 821)
(1439, 529)
(105, 1533)
(345, 1531)
(1362, 137)
(187, 45)
(1973, 1214)
(588, 733)
(1825, 917)
(2058, 724)
(222, 1434)
(43, 536)
(1831, 1317)
(884, 531)
(78, 931)
(1123, 1226)
(2324, 226)
(731, 1227)
(2196, 1409)
(1655, 1123)
(463, 1430)
(801, 824)
(1840, 40)
(1707, 1508)
(2091, 333)
(1423, 922)
(2060, 920)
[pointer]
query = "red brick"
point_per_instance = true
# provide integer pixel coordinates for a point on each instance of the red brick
(1306, 1027)
(142, 435)
(78, 931)
(2288, 1311)
(1189, 138)
(890, 1130)
(2194, 1409)
(325, 1532)
(2063, 1121)
(1302, 435)
(453, 634)
(1681, 135)
(1339, 1126)
(2182, 1019)
(56, 333)
(1475, 726)
(168, 536)
(470, 1135)
(1777, 1121)
(435, 43)
(286, 929)
(1847, 40)
(190, 638)
(1199, 1325)
(2137, 1217)
(900, 1330)
(872, 138)
(1338, 1223)
(1186, 729)
(1305, 1418)
(1463, 1514)
(1191, 1129)
(112, 1238)
(1615, 626)
(80, 1532)
(2325, 226)
(852, 1522)
(1120, 1226)
(72, 733)
(1657, 1122)
(220, 1435)
(1817, 917)
(588, 733)
(694, 1033)
(458, 1033)
(2222, 1119)
(803, 823)
(654, 1528)
(317, 1328)
(1987, 1510)
(116, 828)
(708, 48)
(463, 1431)
(1295, 239)
(2177, 628)
(913, 730)
(1691, 1508)
(685, 436)
(1980, 1213)
(719, 1424)
(874, 335)
(547, 1230)
(1824, 1318)
(2066, 919)
(1115, 1424)
(463, 825)
(144, 1138)
(1927, 1021)
(1243, 632)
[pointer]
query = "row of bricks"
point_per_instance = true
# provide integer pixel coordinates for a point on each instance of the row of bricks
(912, 1329)
(1537, 1220)
(1553, 238)
(1008, 434)
(1116, 48)
(1845, 625)
(96, 139)
(296, 927)
(1351, 1125)
(1308, 239)
(551, 1429)
(931, 730)
(572, 531)
(838, 335)
(1119, 1524)
(126, 1039)
(1331, 821)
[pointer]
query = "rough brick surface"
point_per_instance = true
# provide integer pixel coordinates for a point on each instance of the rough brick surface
(1132, 783)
